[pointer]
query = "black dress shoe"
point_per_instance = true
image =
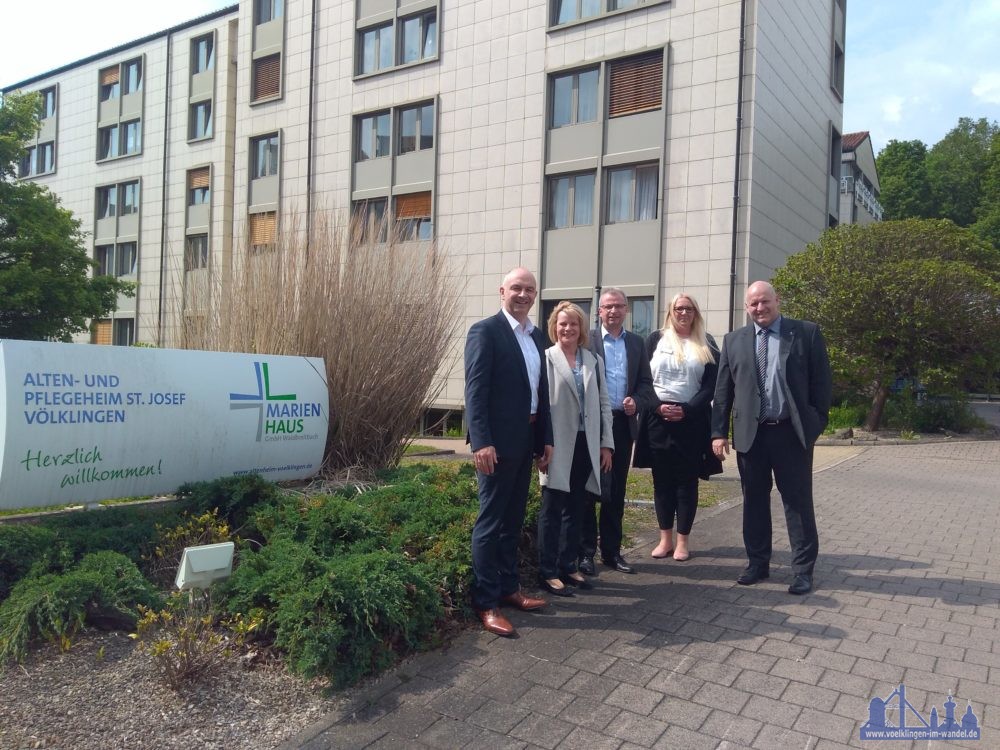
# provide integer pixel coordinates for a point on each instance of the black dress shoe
(618, 563)
(586, 565)
(801, 584)
(564, 591)
(752, 574)
(583, 585)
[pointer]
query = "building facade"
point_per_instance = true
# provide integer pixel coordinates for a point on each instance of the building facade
(656, 146)
(859, 186)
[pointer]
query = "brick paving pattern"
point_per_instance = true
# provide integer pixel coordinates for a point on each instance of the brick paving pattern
(679, 656)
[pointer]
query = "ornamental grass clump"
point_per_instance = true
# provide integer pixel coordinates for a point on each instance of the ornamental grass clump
(382, 315)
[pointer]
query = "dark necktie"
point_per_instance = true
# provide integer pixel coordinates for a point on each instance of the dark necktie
(762, 371)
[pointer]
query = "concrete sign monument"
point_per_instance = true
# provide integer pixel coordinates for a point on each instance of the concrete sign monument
(84, 423)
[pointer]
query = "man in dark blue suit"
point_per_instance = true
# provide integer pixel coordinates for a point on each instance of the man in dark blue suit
(507, 413)
(630, 390)
(775, 381)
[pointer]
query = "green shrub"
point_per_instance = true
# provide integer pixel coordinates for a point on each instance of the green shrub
(846, 415)
(931, 414)
(235, 497)
(341, 617)
(104, 590)
(168, 546)
(21, 546)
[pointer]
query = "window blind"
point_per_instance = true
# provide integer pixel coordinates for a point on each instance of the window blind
(636, 85)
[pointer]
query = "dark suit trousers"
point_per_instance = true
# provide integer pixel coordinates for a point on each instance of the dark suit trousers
(496, 534)
(777, 449)
(612, 497)
(560, 515)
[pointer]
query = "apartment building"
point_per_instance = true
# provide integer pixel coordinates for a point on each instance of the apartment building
(653, 145)
(859, 186)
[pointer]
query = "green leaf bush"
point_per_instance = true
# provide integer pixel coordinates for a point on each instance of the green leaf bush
(103, 590)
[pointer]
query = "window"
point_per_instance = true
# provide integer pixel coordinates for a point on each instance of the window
(574, 98)
(375, 50)
(572, 10)
(125, 257)
(200, 125)
(373, 136)
(370, 221)
(109, 83)
(130, 198)
(132, 140)
(636, 85)
(264, 152)
(132, 76)
(45, 160)
(419, 38)
(29, 161)
(107, 202)
(123, 332)
(100, 332)
(632, 194)
(837, 61)
(416, 128)
(641, 316)
(571, 200)
(107, 142)
(267, 10)
(202, 54)
(413, 217)
(622, 4)
(267, 77)
(263, 231)
(199, 192)
(48, 108)
(104, 255)
(196, 252)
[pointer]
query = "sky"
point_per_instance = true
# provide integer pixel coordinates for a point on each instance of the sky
(913, 67)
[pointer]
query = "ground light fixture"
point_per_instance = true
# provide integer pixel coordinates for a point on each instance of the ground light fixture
(202, 565)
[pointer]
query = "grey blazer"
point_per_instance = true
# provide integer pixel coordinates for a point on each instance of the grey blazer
(564, 404)
(803, 372)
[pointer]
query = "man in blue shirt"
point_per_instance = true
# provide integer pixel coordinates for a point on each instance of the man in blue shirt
(630, 389)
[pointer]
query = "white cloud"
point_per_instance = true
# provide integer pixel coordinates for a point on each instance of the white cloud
(987, 87)
(892, 109)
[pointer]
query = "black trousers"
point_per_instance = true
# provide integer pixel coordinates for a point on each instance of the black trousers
(559, 517)
(777, 451)
(496, 535)
(612, 497)
(675, 493)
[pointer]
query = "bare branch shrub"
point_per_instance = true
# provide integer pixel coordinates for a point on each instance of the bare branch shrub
(381, 315)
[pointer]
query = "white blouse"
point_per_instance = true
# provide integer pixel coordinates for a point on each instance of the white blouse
(674, 380)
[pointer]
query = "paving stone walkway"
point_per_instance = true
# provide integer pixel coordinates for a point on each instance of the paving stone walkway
(679, 656)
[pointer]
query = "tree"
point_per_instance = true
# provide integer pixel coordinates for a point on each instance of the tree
(915, 298)
(902, 175)
(956, 166)
(987, 224)
(46, 287)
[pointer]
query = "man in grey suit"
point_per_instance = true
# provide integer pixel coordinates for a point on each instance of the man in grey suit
(775, 381)
(630, 389)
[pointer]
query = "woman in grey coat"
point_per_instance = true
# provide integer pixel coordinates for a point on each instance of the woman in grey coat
(583, 445)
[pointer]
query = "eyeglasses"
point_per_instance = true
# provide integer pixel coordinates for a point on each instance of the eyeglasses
(613, 307)
(683, 310)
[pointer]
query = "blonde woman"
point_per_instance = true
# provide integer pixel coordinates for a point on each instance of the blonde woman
(675, 437)
(582, 447)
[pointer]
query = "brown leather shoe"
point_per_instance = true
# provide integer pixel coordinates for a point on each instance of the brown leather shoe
(495, 622)
(522, 602)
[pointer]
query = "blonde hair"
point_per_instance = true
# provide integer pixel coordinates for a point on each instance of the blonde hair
(568, 307)
(698, 340)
